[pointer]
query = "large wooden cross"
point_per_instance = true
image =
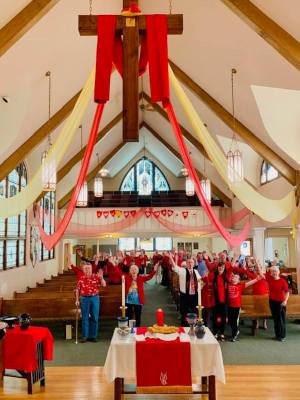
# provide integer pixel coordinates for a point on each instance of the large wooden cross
(131, 28)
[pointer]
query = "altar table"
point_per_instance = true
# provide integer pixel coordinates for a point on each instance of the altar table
(206, 363)
(24, 352)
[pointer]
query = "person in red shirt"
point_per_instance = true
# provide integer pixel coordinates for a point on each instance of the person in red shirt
(113, 276)
(278, 297)
(87, 296)
(219, 310)
(134, 291)
(234, 301)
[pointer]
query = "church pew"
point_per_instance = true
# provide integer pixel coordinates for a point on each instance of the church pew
(257, 307)
(57, 309)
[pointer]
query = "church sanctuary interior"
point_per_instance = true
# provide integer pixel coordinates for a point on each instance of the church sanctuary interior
(149, 199)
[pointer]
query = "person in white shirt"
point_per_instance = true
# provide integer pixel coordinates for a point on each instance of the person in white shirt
(188, 287)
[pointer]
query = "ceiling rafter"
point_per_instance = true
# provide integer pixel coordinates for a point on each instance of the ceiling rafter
(288, 172)
(222, 196)
(18, 155)
(64, 200)
(269, 30)
(23, 22)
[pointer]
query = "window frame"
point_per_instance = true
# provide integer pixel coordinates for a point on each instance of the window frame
(265, 162)
(21, 170)
(135, 173)
(52, 200)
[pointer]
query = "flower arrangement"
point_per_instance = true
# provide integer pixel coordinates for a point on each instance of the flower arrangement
(131, 11)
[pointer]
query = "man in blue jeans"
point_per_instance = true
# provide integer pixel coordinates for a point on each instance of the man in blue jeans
(87, 296)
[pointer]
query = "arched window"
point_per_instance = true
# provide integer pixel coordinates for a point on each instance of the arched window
(144, 177)
(268, 173)
(13, 229)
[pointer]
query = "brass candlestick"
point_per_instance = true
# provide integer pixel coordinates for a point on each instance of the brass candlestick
(123, 308)
(200, 312)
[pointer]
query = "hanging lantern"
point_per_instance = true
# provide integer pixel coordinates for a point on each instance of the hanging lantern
(98, 186)
(189, 187)
(235, 168)
(206, 187)
(48, 173)
(82, 200)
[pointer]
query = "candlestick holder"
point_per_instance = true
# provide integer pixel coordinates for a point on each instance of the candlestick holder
(123, 309)
(199, 326)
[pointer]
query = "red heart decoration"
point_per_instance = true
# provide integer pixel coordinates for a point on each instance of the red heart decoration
(170, 213)
(106, 214)
(185, 214)
(156, 214)
(148, 213)
(126, 214)
(133, 213)
(99, 213)
(112, 213)
(164, 212)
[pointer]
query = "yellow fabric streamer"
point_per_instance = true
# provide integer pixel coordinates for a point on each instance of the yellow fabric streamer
(15, 205)
(268, 209)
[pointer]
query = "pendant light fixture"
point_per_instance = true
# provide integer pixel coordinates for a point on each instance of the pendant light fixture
(189, 184)
(82, 200)
(48, 165)
(206, 185)
(98, 181)
(234, 156)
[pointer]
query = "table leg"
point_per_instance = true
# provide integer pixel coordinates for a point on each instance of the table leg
(119, 388)
(29, 383)
(42, 382)
(212, 387)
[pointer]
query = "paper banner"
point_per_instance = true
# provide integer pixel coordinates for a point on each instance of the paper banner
(23, 200)
(268, 209)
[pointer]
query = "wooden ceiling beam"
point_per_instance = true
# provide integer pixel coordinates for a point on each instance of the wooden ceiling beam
(17, 156)
(269, 30)
(23, 22)
(216, 191)
(288, 172)
(63, 201)
(77, 157)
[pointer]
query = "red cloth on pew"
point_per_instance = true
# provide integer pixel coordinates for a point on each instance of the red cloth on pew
(160, 363)
(20, 347)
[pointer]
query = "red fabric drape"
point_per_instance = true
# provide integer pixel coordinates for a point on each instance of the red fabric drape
(51, 240)
(105, 55)
(157, 43)
(234, 241)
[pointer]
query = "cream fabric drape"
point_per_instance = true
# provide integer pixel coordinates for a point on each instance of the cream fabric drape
(268, 209)
(15, 205)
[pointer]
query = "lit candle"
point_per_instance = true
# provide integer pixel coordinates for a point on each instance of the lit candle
(160, 317)
(123, 291)
(199, 292)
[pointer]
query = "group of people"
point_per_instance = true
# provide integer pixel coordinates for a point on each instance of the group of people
(222, 278)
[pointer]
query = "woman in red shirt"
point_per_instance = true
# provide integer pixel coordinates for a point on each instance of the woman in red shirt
(134, 291)
(208, 298)
(278, 297)
(219, 310)
(234, 300)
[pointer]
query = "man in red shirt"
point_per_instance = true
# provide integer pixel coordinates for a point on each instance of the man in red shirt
(278, 297)
(87, 296)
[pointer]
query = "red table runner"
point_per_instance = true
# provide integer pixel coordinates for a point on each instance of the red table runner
(163, 364)
(20, 347)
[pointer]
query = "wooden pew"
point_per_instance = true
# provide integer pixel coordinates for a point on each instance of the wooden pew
(256, 307)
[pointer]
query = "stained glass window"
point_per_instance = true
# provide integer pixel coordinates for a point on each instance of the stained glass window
(144, 177)
(268, 173)
(13, 229)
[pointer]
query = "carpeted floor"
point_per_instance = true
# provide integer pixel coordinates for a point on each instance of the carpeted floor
(248, 350)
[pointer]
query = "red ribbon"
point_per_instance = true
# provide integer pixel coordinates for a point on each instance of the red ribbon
(51, 240)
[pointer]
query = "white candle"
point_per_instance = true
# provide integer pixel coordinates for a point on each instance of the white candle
(123, 291)
(98, 246)
(199, 292)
